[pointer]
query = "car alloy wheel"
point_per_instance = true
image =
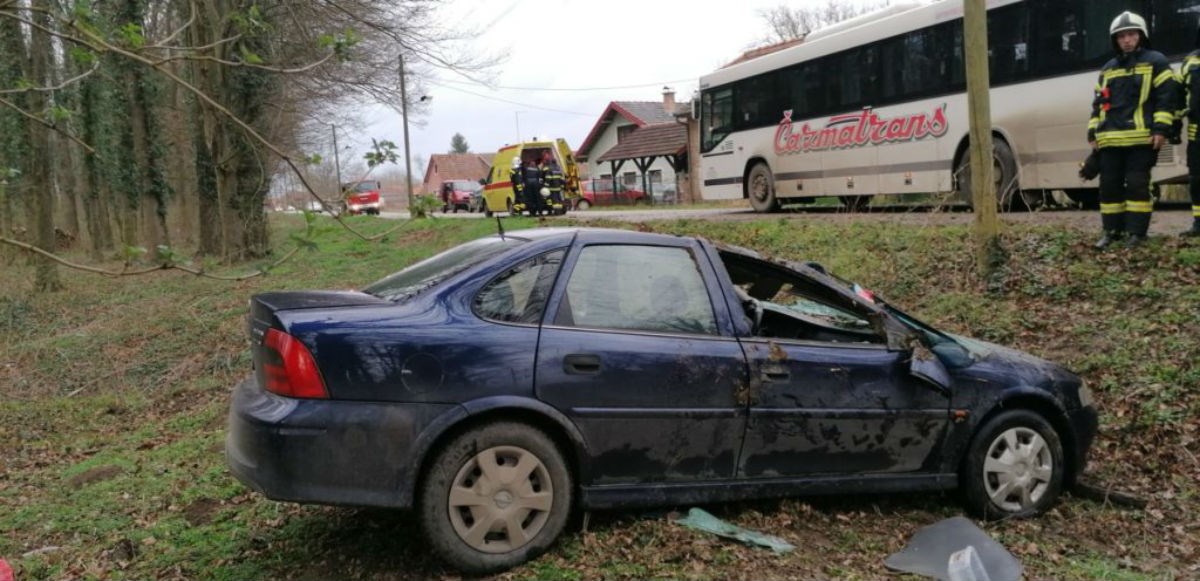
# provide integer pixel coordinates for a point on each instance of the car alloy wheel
(1015, 466)
(494, 497)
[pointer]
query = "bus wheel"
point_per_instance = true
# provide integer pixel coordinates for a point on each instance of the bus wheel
(760, 188)
(1004, 174)
(854, 203)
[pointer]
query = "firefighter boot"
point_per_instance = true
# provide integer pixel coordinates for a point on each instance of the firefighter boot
(1114, 229)
(1137, 226)
(1194, 232)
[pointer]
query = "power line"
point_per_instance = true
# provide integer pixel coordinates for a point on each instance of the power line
(510, 101)
(472, 82)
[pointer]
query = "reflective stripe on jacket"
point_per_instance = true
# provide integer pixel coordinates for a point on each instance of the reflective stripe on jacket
(1136, 96)
(1191, 91)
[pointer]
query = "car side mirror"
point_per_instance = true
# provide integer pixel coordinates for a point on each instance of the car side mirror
(926, 366)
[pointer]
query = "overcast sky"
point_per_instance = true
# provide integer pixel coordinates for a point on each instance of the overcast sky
(567, 45)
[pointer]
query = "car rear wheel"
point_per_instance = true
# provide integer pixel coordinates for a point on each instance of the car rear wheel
(583, 205)
(1014, 467)
(495, 497)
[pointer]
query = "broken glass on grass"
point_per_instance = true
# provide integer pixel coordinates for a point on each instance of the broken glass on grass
(700, 520)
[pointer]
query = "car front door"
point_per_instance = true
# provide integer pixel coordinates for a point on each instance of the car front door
(828, 394)
(635, 354)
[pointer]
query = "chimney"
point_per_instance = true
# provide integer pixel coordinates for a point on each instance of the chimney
(669, 100)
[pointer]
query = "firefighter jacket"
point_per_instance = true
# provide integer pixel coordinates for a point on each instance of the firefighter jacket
(531, 179)
(514, 177)
(1136, 96)
(552, 176)
(1191, 92)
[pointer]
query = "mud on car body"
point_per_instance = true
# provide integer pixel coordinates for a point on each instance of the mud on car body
(638, 369)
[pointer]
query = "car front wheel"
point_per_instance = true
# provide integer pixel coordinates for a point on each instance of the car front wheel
(495, 497)
(1014, 467)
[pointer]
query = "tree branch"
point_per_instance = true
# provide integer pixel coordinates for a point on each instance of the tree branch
(49, 126)
(165, 266)
(58, 87)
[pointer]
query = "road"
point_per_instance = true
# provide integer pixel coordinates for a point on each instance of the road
(1167, 222)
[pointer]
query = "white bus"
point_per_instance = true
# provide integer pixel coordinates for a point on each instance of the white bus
(878, 105)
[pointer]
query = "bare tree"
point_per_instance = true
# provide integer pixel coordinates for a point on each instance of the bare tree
(792, 23)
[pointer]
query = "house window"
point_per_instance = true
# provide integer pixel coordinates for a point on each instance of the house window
(624, 131)
(656, 176)
(629, 178)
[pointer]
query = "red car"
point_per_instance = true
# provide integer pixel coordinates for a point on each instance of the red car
(600, 193)
(457, 194)
(363, 197)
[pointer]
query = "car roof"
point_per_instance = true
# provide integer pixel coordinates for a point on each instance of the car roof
(595, 235)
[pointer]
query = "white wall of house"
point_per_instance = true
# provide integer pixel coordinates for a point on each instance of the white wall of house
(608, 140)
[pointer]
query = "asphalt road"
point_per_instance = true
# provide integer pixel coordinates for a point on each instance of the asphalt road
(1168, 220)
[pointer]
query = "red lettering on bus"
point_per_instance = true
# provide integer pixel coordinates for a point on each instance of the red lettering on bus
(858, 130)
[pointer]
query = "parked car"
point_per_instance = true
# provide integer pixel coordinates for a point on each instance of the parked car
(363, 197)
(493, 387)
(457, 194)
(600, 193)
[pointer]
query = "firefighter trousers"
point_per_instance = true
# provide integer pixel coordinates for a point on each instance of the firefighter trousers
(1193, 158)
(1125, 205)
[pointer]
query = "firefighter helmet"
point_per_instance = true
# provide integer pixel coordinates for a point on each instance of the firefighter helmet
(516, 162)
(545, 192)
(1129, 21)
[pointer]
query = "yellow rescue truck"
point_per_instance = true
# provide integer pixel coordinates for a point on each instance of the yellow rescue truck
(498, 192)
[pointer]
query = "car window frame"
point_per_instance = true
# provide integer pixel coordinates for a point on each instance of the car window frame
(550, 288)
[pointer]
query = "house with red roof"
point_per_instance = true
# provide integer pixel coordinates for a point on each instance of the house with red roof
(619, 122)
(454, 166)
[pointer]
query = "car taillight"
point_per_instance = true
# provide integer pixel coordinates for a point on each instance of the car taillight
(291, 370)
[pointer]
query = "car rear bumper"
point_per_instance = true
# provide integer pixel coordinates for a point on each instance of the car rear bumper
(326, 452)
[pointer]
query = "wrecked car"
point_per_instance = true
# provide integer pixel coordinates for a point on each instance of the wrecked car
(502, 383)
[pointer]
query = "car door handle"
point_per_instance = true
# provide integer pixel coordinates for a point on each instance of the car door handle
(776, 373)
(581, 364)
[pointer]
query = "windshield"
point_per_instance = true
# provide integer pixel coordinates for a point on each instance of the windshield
(465, 185)
(362, 187)
(428, 272)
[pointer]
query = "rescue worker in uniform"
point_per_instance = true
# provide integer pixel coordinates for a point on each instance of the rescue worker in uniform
(531, 184)
(1132, 114)
(552, 176)
(514, 177)
(1191, 110)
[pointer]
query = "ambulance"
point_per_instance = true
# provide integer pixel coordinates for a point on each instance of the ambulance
(498, 195)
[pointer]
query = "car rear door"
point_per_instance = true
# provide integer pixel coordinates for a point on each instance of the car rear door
(638, 351)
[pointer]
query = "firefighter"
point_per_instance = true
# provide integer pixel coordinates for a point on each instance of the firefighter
(514, 177)
(1132, 114)
(1191, 110)
(552, 176)
(531, 184)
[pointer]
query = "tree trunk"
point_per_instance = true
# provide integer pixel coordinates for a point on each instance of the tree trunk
(42, 198)
(208, 135)
(988, 253)
(14, 137)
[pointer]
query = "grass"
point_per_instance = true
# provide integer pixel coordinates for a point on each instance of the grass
(115, 393)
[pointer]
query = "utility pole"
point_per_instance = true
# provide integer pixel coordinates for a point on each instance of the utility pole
(337, 166)
(983, 187)
(404, 115)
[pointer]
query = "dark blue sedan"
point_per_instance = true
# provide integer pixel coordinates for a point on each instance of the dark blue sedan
(502, 383)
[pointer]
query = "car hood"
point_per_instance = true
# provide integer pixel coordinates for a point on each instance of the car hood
(997, 362)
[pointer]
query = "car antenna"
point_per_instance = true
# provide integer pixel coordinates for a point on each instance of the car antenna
(500, 227)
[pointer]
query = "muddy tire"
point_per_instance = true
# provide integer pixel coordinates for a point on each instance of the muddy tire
(1014, 467)
(1009, 195)
(760, 189)
(495, 497)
